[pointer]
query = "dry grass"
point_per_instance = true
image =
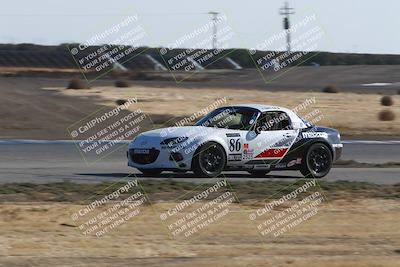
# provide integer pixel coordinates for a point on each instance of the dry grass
(138, 75)
(343, 233)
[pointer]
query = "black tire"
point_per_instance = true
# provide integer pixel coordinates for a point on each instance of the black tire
(209, 160)
(318, 161)
(258, 173)
(150, 172)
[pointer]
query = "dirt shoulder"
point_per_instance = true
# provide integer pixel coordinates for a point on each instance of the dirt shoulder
(355, 225)
(170, 190)
(28, 112)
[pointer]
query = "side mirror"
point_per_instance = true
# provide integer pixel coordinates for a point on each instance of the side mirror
(256, 130)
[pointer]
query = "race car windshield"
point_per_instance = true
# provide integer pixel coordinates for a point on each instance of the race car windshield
(236, 118)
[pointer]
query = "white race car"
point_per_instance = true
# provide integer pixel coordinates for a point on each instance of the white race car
(255, 138)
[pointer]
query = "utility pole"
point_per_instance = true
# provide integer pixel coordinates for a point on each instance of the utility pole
(286, 11)
(214, 19)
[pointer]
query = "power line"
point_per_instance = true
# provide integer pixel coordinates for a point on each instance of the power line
(100, 14)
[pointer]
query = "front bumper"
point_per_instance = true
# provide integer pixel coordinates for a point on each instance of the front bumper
(158, 158)
(338, 151)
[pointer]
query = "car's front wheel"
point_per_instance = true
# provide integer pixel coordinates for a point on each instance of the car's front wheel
(318, 161)
(209, 160)
(150, 172)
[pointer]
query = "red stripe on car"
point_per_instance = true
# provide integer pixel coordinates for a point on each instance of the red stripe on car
(272, 153)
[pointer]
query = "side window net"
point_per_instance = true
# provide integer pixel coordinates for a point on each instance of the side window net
(274, 121)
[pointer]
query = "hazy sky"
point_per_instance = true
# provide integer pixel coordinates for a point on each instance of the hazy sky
(362, 26)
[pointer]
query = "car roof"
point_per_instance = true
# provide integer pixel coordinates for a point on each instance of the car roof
(261, 107)
(297, 122)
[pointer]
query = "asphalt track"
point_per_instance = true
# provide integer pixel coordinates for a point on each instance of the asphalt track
(57, 162)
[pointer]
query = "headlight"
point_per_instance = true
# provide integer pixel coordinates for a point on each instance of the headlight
(173, 141)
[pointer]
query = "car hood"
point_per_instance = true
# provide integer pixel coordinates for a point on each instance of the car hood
(170, 132)
(194, 133)
(153, 138)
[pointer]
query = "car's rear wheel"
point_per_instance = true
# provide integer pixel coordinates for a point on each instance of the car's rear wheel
(209, 160)
(258, 173)
(150, 172)
(318, 161)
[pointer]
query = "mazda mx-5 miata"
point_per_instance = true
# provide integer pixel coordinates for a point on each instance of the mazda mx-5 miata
(253, 138)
